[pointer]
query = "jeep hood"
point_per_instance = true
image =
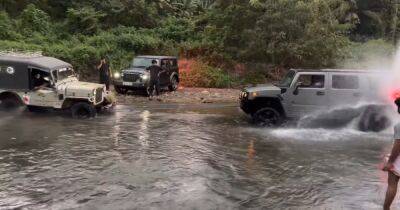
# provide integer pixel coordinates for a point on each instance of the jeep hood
(83, 85)
(78, 89)
(264, 88)
(267, 90)
(134, 70)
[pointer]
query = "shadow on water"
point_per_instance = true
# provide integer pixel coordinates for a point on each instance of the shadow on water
(183, 157)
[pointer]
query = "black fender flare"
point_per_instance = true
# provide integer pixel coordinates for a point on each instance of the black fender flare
(263, 102)
(69, 102)
(9, 94)
(174, 74)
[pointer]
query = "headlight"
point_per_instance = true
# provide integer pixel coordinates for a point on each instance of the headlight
(145, 76)
(253, 95)
(94, 92)
(117, 75)
(244, 95)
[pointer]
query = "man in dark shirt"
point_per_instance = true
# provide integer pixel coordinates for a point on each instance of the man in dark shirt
(154, 84)
(105, 73)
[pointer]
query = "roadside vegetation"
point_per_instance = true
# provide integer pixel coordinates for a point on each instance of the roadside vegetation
(231, 43)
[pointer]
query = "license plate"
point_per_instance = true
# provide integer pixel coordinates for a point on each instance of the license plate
(127, 83)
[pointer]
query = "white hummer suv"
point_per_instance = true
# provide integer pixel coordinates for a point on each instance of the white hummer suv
(302, 93)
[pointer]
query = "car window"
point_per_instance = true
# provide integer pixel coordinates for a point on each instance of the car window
(142, 62)
(39, 78)
(174, 63)
(345, 82)
(311, 81)
(288, 79)
(164, 63)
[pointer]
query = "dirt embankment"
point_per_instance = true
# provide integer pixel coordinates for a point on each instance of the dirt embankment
(185, 96)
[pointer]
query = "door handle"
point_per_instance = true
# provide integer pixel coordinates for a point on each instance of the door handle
(320, 93)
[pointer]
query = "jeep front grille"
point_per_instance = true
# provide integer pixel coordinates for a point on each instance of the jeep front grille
(131, 77)
(99, 95)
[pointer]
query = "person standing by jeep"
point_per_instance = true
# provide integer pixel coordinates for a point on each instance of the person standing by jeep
(392, 166)
(104, 70)
(154, 84)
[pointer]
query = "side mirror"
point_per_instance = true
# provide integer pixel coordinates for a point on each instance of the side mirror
(296, 90)
(51, 82)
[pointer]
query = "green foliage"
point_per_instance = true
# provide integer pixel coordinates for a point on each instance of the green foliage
(7, 31)
(176, 29)
(374, 54)
(83, 20)
(34, 20)
(286, 33)
(277, 34)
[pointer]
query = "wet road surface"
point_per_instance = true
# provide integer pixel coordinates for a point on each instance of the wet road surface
(184, 157)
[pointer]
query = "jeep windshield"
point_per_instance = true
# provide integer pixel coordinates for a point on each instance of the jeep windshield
(63, 73)
(142, 63)
(287, 80)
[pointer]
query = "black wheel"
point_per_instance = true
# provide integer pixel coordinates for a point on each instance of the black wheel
(83, 110)
(9, 104)
(174, 84)
(373, 119)
(268, 117)
(37, 109)
(120, 90)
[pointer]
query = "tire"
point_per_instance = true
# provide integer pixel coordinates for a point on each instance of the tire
(268, 117)
(9, 104)
(120, 90)
(373, 119)
(37, 109)
(83, 110)
(174, 84)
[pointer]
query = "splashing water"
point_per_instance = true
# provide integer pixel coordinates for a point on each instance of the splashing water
(364, 117)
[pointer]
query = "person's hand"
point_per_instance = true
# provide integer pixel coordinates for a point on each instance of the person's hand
(388, 167)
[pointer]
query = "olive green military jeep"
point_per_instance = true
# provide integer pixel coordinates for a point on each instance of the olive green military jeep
(41, 83)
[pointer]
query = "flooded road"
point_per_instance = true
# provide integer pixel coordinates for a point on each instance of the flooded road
(184, 157)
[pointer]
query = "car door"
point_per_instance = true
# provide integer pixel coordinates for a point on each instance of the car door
(45, 98)
(174, 67)
(42, 96)
(307, 94)
(164, 79)
(345, 89)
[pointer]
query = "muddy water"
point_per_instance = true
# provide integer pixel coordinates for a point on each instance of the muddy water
(184, 157)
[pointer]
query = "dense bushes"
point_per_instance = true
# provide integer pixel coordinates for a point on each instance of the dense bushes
(34, 20)
(374, 54)
(220, 34)
(203, 75)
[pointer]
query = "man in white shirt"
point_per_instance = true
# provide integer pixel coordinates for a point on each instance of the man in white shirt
(392, 166)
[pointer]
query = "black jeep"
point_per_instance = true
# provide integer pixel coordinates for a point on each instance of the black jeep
(137, 76)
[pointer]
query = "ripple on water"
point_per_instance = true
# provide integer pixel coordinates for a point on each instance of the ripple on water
(171, 159)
